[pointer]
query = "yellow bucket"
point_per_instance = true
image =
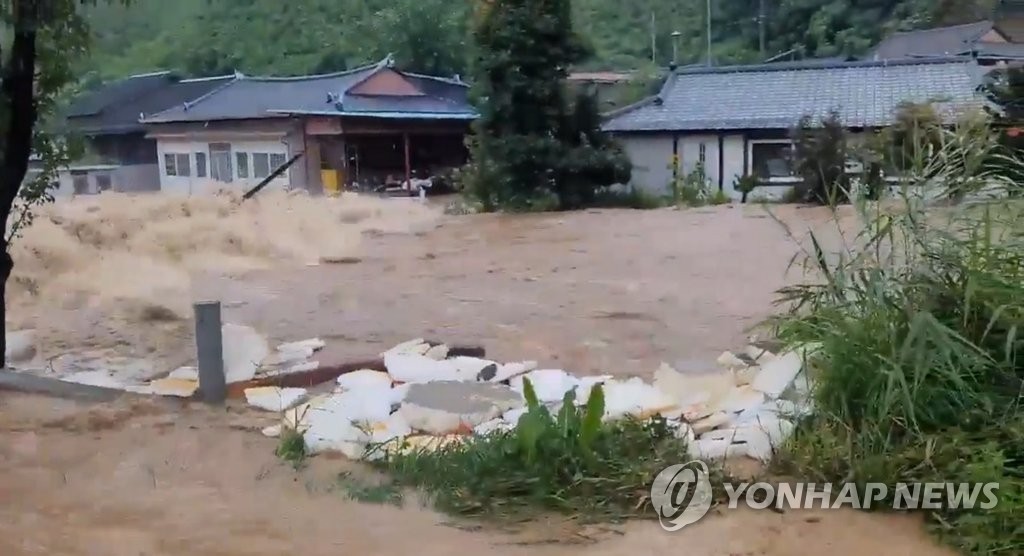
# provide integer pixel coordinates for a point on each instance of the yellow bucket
(331, 181)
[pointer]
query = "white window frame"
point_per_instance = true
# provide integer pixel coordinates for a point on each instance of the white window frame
(778, 180)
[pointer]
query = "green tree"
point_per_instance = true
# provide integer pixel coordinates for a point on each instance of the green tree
(532, 144)
(45, 38)
(820, 156)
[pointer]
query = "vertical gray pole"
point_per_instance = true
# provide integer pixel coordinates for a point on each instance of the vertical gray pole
(210, 353)
(654, 41)
(762, 16)
(709, 31)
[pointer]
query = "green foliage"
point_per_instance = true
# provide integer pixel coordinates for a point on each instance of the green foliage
(820, 156)
(370, 492)
(291, 447)
(921, 360)
(273, 37)
(633, 197)
(746, 185)
(570, 462)
(534, 148)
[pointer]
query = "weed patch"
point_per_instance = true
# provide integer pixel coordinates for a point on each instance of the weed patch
(291, 447)
(370, 492)
(920, 370)
(568, 462)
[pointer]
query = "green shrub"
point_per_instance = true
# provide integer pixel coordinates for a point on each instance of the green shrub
(634, 198)
(921, 362)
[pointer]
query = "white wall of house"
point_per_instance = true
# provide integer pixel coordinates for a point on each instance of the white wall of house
(651, 155)
(205, 165)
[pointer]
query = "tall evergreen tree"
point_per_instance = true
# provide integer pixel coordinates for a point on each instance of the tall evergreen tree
(530, 143)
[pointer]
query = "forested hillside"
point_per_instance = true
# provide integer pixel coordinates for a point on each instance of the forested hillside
(206, 37)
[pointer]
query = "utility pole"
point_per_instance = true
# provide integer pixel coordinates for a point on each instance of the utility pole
(708, 31)
(675, 48)
(654, 41)
(762, 16)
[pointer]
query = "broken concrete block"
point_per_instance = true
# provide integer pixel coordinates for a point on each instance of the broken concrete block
(365, 378)
(20, 345)
(272, 398)
(764, 437)
(509, 371)
(635, 398)
(185, 373)
(776, 375)
(745, 376)
(715, 449)
(417, 346)
(550, 385)
(729, 360)
(273, 431)
(470, 368)
(286, 358)
(340, 422)
(697, 393)
(741, 398)
(313, 344)
(512, 416)
(759, 355)
(173, 387)
(492, 426)
(244, 349)
(399, 392)
(414, 368)
(441, 408)
(438, 352)
(395, 427)
(711, 423)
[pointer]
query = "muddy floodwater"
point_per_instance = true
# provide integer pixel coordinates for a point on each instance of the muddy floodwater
(611, 292)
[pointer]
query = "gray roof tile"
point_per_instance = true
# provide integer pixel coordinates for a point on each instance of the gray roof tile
(941, 41)
(776, 96)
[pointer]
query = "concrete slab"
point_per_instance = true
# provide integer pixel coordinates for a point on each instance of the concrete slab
(441, 408)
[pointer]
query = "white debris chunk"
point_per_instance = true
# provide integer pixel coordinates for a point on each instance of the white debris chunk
(712, 422)
(470, 367)
(764, 437)
(636, 398)
(364, 378)
(399, 392)
(550, 385)
(185, 373)
(729, 360)
(415, 347)
(414, 368)
(715, 448)
(286, 358)
(438, 352)
(509, 371)
(339, 422)
(273, 431)
(272, 398)
(244, 349)
(313, 344)
(449, 407)
(512, 417)
(742, 398)
(492, 426)
(172, 387)
(696, 394)
(20, 345)
(392, 428)
(759, 355)
(776, 375)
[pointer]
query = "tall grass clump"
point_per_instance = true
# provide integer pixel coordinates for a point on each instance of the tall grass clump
(569, 462)
(919, 321)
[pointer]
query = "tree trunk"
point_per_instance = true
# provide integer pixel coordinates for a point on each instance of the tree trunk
(18, 101)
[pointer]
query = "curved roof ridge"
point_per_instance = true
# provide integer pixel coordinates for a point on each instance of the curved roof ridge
(312, 77)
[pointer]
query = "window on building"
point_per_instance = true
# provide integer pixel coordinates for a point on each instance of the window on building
(169, 165)
(242, 162)
(200, 165)
(220, 162)
(702, 156)
(260, 165)
(80, 182)
(276, 161)
(103, 182)
(772, 160)
(183, 164)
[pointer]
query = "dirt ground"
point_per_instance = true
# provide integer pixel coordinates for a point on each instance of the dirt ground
(602, 291)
